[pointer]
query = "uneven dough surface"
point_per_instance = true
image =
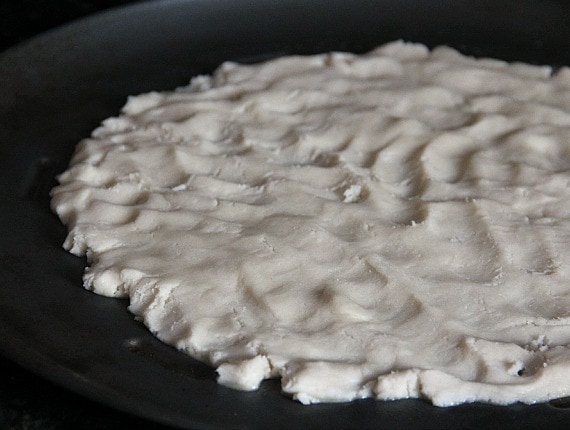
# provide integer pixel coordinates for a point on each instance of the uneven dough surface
(389, 225)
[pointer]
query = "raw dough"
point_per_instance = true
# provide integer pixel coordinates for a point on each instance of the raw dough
(389, 225)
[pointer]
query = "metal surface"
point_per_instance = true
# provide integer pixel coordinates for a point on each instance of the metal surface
(58, 87)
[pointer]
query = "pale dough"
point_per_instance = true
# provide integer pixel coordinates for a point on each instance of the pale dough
(389, 225)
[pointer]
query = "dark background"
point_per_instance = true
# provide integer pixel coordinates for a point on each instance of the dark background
(28, 402)
(22, 19)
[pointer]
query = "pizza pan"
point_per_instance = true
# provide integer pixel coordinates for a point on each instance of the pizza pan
(57, 87)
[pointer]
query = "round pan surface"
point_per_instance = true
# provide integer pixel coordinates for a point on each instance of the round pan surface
(57, 87)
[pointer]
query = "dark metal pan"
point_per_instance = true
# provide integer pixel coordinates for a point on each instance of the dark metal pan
(57, 87)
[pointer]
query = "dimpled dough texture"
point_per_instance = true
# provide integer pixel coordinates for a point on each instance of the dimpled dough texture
(390, 225)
